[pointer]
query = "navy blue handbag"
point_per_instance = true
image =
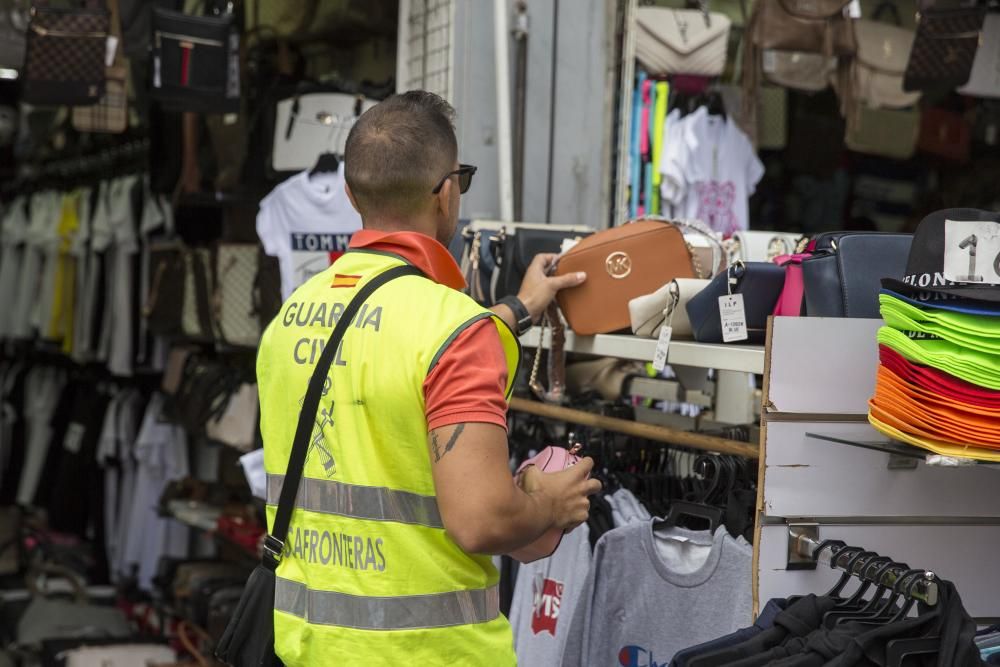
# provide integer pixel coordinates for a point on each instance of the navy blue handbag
(760, 283)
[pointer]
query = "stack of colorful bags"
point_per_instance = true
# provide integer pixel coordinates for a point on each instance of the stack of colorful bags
(938, 383)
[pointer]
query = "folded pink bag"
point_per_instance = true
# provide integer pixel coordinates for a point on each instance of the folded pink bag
(550, 459)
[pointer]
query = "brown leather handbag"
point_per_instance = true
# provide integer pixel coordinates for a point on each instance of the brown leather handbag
(811, 26)
(621, 263)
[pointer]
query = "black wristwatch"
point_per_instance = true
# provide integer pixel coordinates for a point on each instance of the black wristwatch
(521, 313)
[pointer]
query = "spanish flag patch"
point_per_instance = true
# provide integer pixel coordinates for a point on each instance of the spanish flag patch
(341, 280)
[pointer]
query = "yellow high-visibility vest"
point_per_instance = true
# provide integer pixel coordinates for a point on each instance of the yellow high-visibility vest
(368, 574)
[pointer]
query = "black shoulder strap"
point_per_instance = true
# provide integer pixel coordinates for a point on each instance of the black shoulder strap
(274, 543)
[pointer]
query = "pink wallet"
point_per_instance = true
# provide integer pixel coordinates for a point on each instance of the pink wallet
(550, 459)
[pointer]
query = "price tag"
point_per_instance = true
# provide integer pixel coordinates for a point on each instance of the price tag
(734, 319)
(971, 252)
(662, 345)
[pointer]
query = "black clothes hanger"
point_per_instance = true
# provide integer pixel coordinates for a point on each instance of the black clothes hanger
(878, 597)
(681, 510)
(854, 553)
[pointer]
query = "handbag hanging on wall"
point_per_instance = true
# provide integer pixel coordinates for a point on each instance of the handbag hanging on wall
(984, 79)
(64, 61)
(196, 65)
(944, 48)
(110, 113)
(682, 41)
(309, 124)
(946, 134)
(811, 26)
(233, 304)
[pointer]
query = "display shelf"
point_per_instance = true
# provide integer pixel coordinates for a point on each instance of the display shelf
(889, 446)
(743, 358)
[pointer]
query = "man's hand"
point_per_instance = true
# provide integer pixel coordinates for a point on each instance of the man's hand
(482, 507)
(538, 289)
(566, 491)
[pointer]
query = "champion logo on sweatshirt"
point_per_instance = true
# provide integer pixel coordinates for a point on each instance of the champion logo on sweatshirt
(547, 600)
(636, 656)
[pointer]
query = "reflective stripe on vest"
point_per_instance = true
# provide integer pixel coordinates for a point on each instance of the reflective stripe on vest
(360, 502)
(405, 612)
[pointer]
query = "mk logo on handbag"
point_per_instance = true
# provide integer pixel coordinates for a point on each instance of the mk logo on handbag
(618, 265)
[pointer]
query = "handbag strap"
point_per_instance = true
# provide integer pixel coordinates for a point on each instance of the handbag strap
(274, 543)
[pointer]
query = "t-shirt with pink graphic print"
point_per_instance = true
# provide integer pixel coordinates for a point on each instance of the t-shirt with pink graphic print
(712, 170)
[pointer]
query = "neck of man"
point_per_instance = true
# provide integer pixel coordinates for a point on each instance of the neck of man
(426, 225)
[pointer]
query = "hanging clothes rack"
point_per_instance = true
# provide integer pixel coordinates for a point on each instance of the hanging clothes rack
(912, 583)
(671, 436)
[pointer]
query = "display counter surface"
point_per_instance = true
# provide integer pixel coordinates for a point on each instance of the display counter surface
(744, 358)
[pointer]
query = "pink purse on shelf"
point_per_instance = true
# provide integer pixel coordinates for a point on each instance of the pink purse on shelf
(550, 459)
(792, 295)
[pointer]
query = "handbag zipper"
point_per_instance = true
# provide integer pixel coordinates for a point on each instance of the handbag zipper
(186, 38)
(47, 32)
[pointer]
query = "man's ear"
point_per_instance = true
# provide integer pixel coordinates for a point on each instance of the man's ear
(350, 195)
(443, 198)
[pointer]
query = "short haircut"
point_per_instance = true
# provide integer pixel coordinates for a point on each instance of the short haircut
(398, 151)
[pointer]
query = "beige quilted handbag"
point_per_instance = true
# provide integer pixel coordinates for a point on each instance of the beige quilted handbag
(682, 41)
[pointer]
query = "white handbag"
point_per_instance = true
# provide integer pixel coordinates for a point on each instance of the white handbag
(760, 246)
(120, 655)
(308, 125)
(984, 81)
(682, 41)
(648, 313)
(235, 310)
(878, 69)
(237, 425)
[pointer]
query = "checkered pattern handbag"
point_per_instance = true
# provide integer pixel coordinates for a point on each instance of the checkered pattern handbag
(110, 114)
(944, 48)
(235, 310)
(64, 62)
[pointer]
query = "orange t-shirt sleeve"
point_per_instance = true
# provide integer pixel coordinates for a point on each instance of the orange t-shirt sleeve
(469, 381)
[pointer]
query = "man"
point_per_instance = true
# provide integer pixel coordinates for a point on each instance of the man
(407, 488)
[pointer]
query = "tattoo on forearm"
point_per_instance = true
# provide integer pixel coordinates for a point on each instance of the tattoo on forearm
(452, 441)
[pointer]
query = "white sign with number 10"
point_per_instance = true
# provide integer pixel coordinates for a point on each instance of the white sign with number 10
(972, 251)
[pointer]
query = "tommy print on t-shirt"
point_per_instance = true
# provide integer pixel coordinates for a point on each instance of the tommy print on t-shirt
(313, 252)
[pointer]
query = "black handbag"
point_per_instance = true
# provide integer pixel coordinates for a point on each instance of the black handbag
(64, 61)
(196, 64)
(249, 638)
(842, 278)
(760, 283)
(944, 48)
(494, 261)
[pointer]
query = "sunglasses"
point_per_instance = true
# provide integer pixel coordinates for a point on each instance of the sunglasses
(464, 173)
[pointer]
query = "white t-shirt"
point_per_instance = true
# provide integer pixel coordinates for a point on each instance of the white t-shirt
(306, 223)
(14, 226)
(161, 456)
(712, 173)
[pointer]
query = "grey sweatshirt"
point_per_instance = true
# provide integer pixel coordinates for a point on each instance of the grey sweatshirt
(545, 595)
(646, 597)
